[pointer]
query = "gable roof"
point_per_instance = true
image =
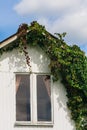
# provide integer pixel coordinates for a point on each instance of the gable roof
(15, 36)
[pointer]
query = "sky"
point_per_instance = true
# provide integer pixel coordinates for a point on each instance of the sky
(57, 16)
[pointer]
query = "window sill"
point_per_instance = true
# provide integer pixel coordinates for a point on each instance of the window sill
(39, 124)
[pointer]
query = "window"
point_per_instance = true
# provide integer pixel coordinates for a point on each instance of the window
(33, 99)
(23, 98)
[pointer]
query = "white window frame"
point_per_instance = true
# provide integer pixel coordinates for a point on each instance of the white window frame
(33, 100)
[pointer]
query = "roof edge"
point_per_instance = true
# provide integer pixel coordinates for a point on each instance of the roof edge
(8, 40)
(23, 29)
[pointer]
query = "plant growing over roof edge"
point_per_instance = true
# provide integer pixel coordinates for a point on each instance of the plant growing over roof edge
(69, 61)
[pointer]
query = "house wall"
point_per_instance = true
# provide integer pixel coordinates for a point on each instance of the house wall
(12, 62)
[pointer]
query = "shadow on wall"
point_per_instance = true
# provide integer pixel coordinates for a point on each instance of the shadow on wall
(16, 62)
(61, 99)
(11, 61)
(40, 59)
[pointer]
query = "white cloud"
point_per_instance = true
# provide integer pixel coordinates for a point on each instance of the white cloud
(59, 16)
(26, 7)
(74, 24)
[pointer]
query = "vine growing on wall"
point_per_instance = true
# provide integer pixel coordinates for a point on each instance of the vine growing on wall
(69, 61)
(22, 30)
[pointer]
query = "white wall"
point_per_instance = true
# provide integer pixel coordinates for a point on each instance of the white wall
(15, 62)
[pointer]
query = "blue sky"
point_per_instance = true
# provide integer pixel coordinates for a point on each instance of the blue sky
(56, 15)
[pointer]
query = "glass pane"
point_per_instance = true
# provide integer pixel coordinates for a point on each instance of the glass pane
(43, 98)
(22, 97)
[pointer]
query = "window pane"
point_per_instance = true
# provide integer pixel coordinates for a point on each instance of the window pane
(22, 97)
(43, 98)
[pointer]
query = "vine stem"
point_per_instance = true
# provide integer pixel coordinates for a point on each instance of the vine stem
(22, 35)
(26, 52)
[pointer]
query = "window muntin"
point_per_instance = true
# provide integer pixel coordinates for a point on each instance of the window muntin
(35, 97)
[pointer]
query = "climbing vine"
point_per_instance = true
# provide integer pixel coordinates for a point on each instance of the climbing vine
(69, 61)
(22, 30)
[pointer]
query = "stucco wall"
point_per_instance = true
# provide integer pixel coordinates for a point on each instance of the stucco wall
(15, 62)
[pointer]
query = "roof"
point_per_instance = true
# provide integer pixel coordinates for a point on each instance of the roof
(8, 40)
(15, 36)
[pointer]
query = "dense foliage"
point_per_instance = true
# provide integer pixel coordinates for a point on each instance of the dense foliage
(67, 60)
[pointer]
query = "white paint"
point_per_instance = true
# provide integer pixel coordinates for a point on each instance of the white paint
(15, 62)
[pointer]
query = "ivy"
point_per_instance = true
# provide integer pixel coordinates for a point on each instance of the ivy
(69, 61)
